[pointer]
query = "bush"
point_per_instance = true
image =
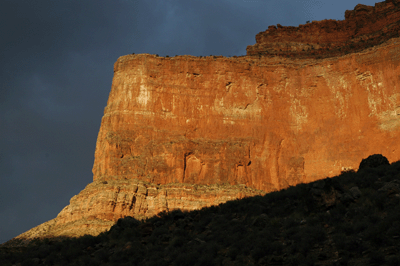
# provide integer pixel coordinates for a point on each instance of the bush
(376, 258)
(393, 260)
(316, 233)
(206, 259)
(178, 241)
(373, 161)
(189, 259)
(88, 240)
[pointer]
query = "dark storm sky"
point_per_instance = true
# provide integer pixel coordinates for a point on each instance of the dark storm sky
(56, 68)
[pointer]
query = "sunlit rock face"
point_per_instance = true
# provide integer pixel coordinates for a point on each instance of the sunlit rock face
(266, 123)
(96, 208)
(363, 27)
(187, 132)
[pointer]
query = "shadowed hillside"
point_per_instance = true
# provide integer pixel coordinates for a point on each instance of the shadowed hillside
(350, 219)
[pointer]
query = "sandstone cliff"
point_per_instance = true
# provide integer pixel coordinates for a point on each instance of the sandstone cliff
(363, 27)
(266, 123)
(187, 132)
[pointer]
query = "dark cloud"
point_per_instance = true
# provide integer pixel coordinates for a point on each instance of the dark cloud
(56, 70)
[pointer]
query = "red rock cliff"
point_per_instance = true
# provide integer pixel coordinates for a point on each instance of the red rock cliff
(266, 123)
(363, 27)
(188, 132)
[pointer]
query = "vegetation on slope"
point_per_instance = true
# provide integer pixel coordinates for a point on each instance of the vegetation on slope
(351, 219)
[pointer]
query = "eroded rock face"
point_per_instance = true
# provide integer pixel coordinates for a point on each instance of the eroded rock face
(96, 208)
(363, 27)
(266, 123)
(188, 132)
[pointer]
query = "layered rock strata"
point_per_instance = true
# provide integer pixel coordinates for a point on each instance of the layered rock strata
(96, 208)
(363, 27)
(188, 132)
(267, 123)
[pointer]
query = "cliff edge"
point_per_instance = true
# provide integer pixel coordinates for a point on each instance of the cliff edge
(363, 27)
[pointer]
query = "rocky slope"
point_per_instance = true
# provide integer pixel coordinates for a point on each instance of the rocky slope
(187, 132)
(96, 208)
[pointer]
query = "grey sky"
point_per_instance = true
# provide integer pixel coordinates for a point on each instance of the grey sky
(56, 67)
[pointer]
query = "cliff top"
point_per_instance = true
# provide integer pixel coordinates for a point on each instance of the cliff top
(363, 27)
(286, 59)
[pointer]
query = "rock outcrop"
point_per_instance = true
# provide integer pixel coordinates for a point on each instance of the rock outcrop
(187, 132)
(96, 208)
(363, 27)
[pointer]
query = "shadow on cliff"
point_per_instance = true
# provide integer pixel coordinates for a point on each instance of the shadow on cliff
(353, 218)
